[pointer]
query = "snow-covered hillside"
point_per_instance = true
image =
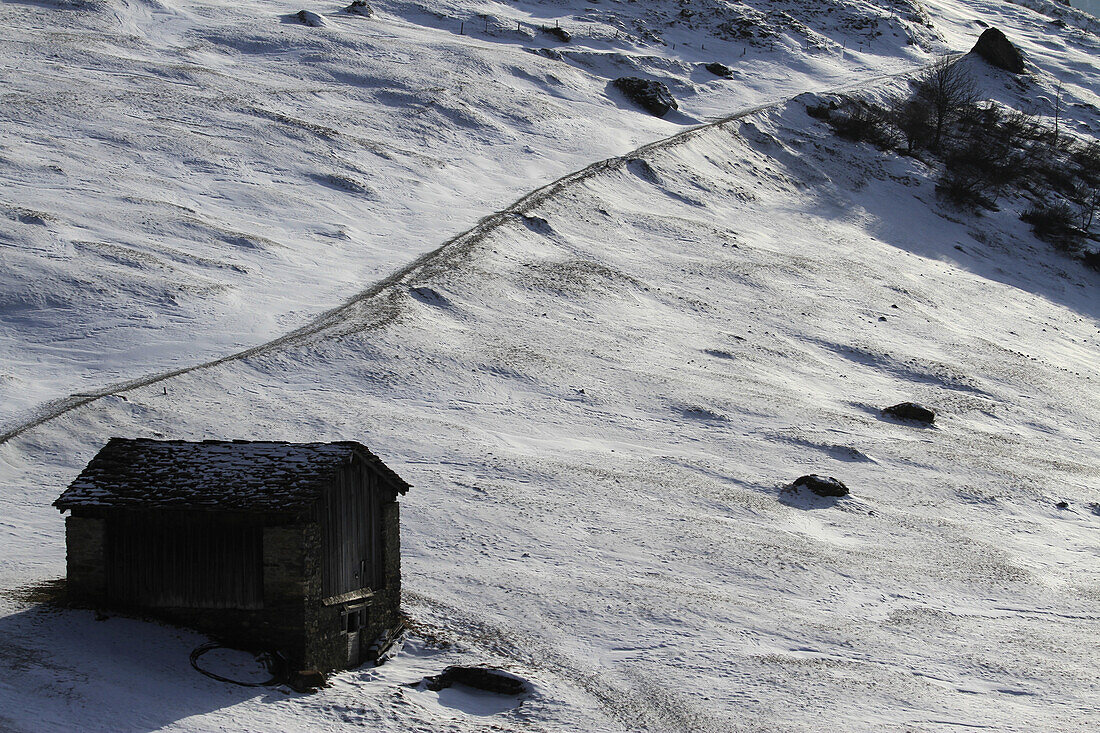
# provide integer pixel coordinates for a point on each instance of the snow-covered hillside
(598, 396)
(185, 179)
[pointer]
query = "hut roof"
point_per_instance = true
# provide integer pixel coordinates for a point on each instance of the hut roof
(236, 475)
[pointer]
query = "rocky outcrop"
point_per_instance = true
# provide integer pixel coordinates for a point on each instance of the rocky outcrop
(360, 7)
(313, 20)
(558, 32)
(652, 96)
(995, 48)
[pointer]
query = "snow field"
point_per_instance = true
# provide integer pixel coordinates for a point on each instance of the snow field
(598, 415)
(599, 404)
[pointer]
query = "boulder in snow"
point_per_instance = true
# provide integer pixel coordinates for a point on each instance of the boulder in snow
(537, 224)
(481, 678)
(557, 32)
(311, 19)
(652, 96)
(360, 7)
(910, 412)
(429, 296)
(719, 69)
(821, 485)
(995, 48)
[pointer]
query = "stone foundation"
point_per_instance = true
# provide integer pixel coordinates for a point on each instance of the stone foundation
(86, 558)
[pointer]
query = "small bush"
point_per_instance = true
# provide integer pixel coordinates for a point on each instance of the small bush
(864, 122)
(1091, 259)
(949, 92)
(967, 189)
(986, 150)
(1054, 223)
(913, 119)
(1087, 160)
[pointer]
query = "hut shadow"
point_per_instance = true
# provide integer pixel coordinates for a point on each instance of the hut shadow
(58, 663)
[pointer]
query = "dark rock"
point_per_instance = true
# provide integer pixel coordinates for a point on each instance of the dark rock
(641, 168)
(719, 69)
(429, 296)
(557, 32)
(26, 216)
(1062, 505)
(910, 412)
(360, 7)
(536, 224)
(821, 485)
(311, 19)
(652, 96)
(995, 48)
(482, 678)
(550, 53)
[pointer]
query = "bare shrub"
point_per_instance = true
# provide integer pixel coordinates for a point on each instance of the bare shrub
(863, 122)
(949, 92)
(966, 188)
(913, 119)
(1087, 200)
(1087, 160)
(1055, 223)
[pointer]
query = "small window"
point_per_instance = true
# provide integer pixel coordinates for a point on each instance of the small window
(355, 618)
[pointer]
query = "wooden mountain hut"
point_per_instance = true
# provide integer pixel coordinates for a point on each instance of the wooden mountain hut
(292, 547)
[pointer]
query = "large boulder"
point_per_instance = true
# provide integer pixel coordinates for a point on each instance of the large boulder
(910, 412)
(652, 96)
(995, 48)
(821, 485)
(719, 69)
(481, 678)
(558, 32)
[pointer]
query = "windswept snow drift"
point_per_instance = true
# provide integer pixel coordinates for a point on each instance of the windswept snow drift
(600, 403)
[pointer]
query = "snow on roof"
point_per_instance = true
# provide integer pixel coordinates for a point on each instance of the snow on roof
(239, 475)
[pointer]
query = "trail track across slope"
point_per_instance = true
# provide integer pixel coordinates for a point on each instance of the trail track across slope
(382, 296)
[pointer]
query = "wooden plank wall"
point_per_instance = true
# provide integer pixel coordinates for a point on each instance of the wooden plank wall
(351, 533)
(184, 561)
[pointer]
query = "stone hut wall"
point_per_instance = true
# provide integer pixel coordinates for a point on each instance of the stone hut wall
(294, 618)
(86, 558)
(386, 606)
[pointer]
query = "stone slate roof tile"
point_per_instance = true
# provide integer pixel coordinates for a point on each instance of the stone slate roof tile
(237, 475)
